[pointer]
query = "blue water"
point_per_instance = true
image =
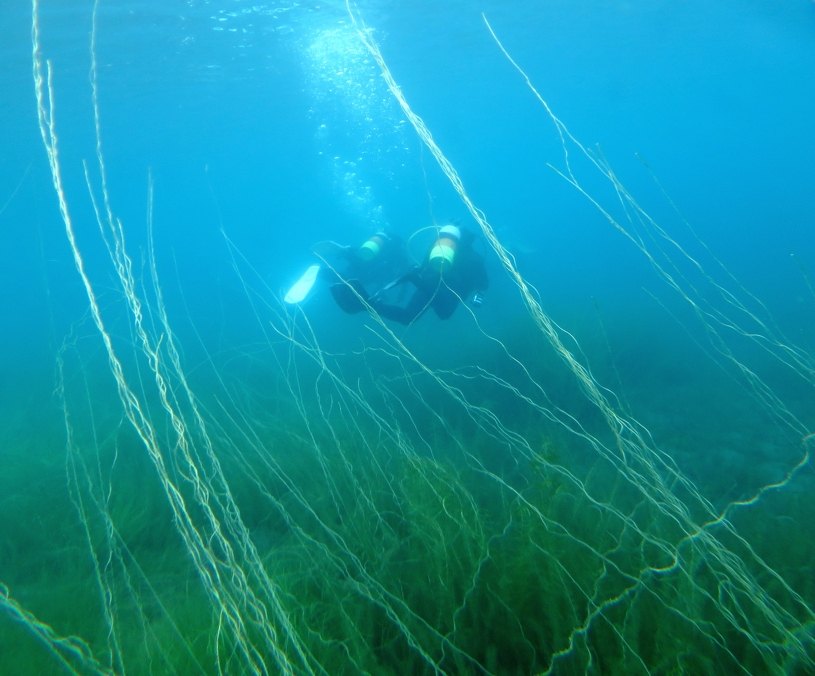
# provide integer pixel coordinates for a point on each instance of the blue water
(271, 124)
(242, 115)
(717, 97)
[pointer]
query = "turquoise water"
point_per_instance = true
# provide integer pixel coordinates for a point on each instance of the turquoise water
(604, 469)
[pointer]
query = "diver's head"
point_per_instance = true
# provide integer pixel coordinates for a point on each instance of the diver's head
(443, 252)
(373, 246)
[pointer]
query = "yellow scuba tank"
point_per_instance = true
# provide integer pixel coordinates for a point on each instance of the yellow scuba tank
(372, 246)
(443, 252)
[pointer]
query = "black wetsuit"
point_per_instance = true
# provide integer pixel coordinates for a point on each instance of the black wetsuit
(375, 272)
(443, 291)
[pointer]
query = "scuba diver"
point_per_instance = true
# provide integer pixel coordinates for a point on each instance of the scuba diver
(451, 272)
(381, 257)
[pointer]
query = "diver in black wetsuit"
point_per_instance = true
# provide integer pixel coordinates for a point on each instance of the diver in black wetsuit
(450, 273)
(381, 257)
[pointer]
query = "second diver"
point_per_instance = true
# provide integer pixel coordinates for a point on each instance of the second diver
(451, 272)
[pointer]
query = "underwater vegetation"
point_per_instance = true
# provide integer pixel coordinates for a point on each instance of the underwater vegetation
(307, 506)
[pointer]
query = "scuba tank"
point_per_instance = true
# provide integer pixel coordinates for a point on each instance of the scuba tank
(373, 246)
(443, 252)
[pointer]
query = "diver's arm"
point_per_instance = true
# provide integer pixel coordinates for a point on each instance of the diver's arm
(481, 280)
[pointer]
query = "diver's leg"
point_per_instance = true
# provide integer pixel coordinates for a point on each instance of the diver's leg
(445, 303)
(418, 303)
(328, 276)
(350, 295)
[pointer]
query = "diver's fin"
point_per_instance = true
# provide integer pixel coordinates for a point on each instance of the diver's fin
(302, 286)
(350, 296)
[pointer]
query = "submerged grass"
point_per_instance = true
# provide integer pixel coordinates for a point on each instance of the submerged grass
(389, 560)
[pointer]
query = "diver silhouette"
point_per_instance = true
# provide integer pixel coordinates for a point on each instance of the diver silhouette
(382, 256)
(452, 271)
